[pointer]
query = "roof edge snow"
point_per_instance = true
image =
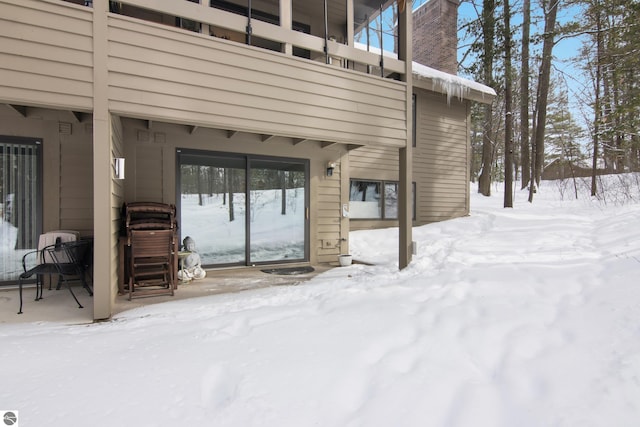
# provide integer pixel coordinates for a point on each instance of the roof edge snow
(451, 85)
(438, 81)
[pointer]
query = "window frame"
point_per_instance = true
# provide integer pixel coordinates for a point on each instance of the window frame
(383, 203)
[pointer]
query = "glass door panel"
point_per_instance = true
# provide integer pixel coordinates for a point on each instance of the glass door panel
(241, 209)
(19, 204)
(278, 201)
(212, 207)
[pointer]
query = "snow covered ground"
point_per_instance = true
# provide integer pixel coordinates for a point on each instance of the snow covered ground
(510, 317)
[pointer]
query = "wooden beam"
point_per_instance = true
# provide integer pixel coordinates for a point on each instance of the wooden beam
(20, 109)
(266, 138)
(297, 141)
(77, 116)
(231, 133)
(325, 144)
(193, 129)
(149, 124)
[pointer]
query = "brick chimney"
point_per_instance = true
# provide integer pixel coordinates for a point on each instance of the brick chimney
(435, 37)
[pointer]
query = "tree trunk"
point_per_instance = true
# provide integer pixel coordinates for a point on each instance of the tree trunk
(488, 33)
(199, 183)
(508, 128)
(525, 160)
(232, 215)
(597, 107)
(543, 87)
(283, 185)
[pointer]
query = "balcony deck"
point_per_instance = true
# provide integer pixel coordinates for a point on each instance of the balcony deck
(165, 73)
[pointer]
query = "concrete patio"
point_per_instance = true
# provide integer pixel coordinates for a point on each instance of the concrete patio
(59, 306)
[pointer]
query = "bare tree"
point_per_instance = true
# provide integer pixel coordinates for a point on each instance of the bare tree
(488, 33)
(508, 116)
(550, 12)
(525, 161)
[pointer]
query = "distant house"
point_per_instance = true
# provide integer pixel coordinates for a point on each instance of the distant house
(565, 169)
(222, 115)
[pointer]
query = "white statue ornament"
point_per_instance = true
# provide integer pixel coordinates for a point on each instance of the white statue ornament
(191, 264)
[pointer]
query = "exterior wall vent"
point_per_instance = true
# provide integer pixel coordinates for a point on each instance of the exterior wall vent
(64, 128)
(143, 136)
(159, 137)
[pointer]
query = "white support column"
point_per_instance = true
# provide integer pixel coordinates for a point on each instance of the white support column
(405, 211)
(286, 22)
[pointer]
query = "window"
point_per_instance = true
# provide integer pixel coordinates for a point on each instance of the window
(375, 199)
(20, 202)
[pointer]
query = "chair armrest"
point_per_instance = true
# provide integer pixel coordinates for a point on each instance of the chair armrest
(29, 254)
(37, 252)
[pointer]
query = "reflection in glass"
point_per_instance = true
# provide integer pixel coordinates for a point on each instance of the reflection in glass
(277, 221)
(217, 194)
(365, 199)
(212, 209)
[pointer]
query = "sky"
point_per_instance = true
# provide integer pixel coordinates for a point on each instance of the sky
(565, 50)
(527, 316)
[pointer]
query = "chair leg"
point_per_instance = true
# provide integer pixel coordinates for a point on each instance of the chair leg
(85, 283)
(74, 295)
(39, 288)
(20, 287)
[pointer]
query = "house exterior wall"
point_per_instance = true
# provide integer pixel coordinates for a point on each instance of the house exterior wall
(66, 195)
(116, 200)
(246, 88)
(151, 172)
(441, 158)
(440, 162)
(46, 54)
(140, 90)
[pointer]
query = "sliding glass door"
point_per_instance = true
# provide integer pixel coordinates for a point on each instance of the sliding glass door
(20, 188)
(243, 209)
(277, 200)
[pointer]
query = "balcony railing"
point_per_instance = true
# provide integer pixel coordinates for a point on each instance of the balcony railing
(244, 24)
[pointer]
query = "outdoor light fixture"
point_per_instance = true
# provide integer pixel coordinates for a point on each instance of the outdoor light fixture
(330, 167)
(118, 167)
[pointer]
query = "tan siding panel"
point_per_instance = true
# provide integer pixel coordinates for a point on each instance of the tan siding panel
(233, 86)
(46, 54)
(57, 15)
(440, 159)
(148, 182)
(76, 183)
(374, 163)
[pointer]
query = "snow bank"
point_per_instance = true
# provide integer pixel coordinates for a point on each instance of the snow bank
(509, 317)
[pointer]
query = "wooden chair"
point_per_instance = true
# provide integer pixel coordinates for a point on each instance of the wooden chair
(151, 263)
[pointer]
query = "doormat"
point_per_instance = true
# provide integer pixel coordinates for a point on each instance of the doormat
(289, 271)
